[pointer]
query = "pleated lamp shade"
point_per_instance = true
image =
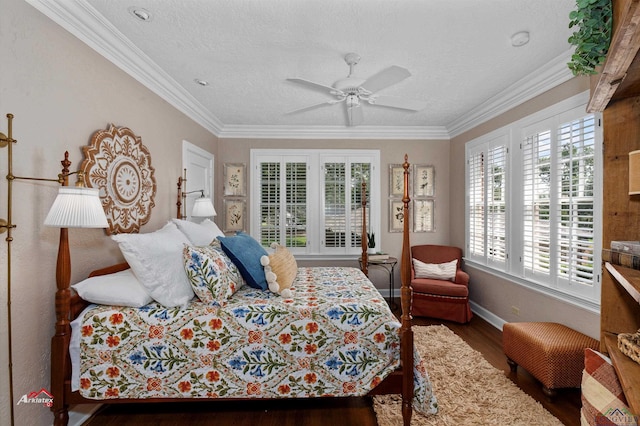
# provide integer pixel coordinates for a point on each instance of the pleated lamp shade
(634, 173)
(77, 207)
(203, 207)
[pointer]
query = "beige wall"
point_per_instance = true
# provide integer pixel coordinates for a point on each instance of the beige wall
(488, 291)
(434, 152)
(60, 92)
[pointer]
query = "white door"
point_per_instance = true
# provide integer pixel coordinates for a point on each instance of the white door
(198, 164)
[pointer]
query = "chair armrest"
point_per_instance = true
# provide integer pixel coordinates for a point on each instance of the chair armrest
(462, 277)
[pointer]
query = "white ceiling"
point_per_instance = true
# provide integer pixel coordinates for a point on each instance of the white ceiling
(458, 52)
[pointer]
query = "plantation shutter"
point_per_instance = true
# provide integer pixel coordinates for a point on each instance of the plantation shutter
(283, 203)
(270, 225)
(295, 225)
(542, 204)
(342, 186)
(575, 153)
(496, 204)
(476, 203)
(311, 200)
(335, 205)
(536, 152)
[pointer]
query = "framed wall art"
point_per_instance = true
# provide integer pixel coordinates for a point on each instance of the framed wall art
(424, 180)
(234, 179)
(423, 216)
(396, 216)
(396, 180)
(235, 212)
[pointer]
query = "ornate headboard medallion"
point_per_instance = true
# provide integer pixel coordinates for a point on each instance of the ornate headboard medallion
(119, 165)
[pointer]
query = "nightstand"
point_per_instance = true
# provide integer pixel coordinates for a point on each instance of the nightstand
(389, 265)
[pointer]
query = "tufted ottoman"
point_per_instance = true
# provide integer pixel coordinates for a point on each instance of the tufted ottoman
(551, 352)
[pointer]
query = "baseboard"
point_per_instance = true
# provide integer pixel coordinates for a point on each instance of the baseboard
(82, 413)
(478, 310)
(488, 316)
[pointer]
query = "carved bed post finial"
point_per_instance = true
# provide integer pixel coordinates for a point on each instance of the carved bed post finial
(179, 202)
(65, 169)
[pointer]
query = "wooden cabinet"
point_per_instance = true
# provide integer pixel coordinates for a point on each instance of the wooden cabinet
(616, 93)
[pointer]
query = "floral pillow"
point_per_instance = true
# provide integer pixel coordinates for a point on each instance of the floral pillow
(213, 276)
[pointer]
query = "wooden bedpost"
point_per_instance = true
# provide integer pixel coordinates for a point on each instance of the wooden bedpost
(181, 195)
(364, 239)
(406, 334)
(60, 361)
(179, 202)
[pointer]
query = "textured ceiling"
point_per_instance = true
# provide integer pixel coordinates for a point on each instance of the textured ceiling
(458, 52)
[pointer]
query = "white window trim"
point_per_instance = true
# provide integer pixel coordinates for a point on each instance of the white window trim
(513, 270)
(316, 158)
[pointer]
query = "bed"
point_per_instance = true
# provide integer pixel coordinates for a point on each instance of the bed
(334, 337)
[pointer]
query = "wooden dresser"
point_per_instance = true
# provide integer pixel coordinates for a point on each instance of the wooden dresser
(615, 92)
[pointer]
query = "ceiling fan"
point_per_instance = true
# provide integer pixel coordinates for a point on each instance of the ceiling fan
(354, 91)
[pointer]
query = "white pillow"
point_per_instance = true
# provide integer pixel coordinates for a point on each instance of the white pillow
(436, 271)
(200, 234)
(118, 289)
(156, 259)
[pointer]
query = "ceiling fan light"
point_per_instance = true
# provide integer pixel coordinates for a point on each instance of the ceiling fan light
(353, 91)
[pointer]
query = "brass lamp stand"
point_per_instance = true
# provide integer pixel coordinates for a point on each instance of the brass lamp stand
(86, 212)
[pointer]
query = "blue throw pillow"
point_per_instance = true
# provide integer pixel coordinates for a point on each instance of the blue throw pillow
(246, 252)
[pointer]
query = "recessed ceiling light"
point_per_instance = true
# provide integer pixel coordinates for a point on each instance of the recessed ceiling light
(520, 38)
(140, 13)
(201, 82)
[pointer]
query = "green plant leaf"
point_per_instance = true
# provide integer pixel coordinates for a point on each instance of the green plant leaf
(592, 20)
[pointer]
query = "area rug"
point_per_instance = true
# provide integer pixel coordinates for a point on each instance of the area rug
(470, 391)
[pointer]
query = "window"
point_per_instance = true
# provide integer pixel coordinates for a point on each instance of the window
(487, 184)
(533, 191)
(311, 200)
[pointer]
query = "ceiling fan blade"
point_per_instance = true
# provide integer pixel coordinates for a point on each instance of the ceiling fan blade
(316, 86)
(355, 115)
(397, 102)
(308, 107)
(385, 78)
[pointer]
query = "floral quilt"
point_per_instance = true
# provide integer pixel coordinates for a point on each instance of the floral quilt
(335, 337)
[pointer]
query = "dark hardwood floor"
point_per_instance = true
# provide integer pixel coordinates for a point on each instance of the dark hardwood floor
(479, 334)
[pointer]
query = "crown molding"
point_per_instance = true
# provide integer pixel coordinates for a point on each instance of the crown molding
(541, 80)
(335, 132)
(85, 23)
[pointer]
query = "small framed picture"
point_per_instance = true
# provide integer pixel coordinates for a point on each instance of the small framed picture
(396, 180)
(423, 216)
(234, 215)
(234, 179)
(424, 177)
(396, 216)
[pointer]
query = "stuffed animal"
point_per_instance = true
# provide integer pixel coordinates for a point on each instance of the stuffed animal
(280, 270)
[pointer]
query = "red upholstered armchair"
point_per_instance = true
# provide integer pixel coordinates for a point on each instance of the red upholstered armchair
(440, 298)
